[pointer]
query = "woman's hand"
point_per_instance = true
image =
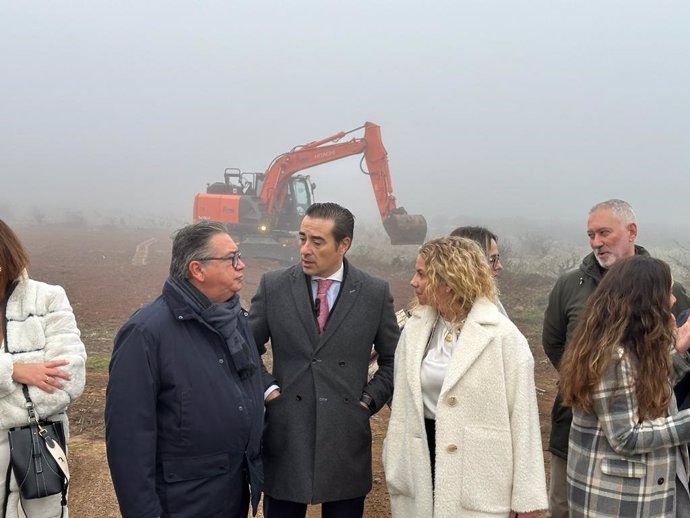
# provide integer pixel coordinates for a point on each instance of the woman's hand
(45, 375)
(683, 337)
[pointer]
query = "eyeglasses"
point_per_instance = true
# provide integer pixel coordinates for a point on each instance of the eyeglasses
(494, 260)
(234, 259)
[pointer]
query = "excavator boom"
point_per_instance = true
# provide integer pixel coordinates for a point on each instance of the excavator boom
(401, 227)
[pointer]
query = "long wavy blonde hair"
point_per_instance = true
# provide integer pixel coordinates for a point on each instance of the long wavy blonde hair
(630, 309)
(461, 264)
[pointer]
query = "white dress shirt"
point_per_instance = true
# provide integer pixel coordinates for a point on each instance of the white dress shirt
(435, 364)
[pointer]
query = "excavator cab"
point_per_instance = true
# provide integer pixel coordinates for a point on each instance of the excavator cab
(298, 197)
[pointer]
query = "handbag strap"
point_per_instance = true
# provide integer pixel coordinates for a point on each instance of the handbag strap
(53, 446)
(55, 451)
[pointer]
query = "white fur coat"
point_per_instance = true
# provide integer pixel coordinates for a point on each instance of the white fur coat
(489, 457)
(40, 327)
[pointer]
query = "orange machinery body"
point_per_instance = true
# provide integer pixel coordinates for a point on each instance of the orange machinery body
(217, 207)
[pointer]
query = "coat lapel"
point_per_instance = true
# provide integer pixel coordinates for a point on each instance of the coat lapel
(416, 340)
(302, 302)
(474, 338)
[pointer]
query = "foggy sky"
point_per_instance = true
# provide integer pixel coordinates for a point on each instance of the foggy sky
(488, 109)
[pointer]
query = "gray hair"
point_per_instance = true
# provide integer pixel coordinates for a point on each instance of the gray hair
(620, 208)
(192, 242)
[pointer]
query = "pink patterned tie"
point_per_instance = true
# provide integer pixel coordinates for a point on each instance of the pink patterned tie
(323, 285)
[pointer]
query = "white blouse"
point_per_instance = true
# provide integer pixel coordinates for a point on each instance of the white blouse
(442, 343)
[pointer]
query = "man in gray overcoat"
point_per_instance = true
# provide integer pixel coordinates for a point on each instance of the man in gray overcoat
(322, 317)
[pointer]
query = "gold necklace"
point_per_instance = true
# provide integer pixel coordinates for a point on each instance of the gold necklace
(451, 331)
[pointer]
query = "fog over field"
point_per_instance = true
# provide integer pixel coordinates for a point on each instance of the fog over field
(516, 114)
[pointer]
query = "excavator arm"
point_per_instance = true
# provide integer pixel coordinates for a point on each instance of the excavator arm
(402, 228)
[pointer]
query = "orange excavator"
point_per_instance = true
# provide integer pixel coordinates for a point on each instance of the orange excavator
(271, 204)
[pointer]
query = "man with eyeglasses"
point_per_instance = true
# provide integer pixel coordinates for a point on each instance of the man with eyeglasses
(322, 317)
(184, 405)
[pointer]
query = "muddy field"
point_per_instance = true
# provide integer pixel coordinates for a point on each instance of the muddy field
(110, 272)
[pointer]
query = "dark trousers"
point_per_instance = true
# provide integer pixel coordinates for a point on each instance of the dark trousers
(352, 508)
(430, 426)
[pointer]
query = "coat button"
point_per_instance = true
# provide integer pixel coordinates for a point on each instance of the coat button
(660, 481)
(452, 401)
(220, 360)
(452, 448)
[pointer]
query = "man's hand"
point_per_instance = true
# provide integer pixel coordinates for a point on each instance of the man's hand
(683, 337)
(273, 395)
(45, 375)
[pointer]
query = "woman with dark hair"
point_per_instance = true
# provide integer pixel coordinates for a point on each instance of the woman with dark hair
(42, 349)
(488, 242)
(463, 437)
(627, 454)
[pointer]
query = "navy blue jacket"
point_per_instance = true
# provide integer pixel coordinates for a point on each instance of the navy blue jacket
(183, 432)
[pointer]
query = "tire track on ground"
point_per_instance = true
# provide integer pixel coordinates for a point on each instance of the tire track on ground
(141, 255)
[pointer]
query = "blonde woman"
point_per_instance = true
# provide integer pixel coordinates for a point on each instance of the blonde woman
(463, 437)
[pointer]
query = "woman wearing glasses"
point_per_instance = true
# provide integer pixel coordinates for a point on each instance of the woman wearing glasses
(463, 437)
(488, 242)
(42, 350)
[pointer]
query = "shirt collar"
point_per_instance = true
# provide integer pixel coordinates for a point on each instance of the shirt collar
(337, 276)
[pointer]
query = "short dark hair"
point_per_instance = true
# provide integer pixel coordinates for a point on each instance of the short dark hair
(192, 242)
(13, 257)
(480, 235)
(343, 220)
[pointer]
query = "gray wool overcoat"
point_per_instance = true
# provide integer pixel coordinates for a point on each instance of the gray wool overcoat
(317, 439)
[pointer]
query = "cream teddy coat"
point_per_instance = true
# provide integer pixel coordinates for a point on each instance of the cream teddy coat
(40, 327)
(489, 457)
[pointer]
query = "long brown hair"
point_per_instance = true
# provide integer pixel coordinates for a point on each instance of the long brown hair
(630, 309)
(13, 258)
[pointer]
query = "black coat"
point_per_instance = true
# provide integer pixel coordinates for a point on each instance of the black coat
(182, 430)
(317, 440)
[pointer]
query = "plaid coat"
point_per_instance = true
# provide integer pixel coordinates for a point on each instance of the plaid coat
(617, 465)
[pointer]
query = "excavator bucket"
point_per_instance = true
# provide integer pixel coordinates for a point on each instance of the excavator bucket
(404, 228)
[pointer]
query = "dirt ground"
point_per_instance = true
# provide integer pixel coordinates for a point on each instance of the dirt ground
(110, 272)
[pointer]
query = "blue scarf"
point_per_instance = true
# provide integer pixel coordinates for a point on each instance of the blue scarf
(224, 318)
